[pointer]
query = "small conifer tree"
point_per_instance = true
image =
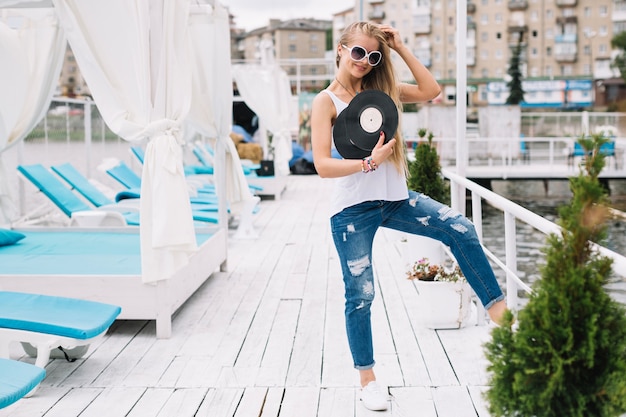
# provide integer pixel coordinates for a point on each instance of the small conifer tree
(516, 92)
(425, 170)
(568, 355)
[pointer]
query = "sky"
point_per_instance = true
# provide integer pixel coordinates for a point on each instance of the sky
(253, 14)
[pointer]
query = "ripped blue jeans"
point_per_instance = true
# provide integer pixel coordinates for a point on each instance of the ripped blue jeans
(353, 232)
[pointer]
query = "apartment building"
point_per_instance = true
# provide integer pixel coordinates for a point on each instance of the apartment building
(566, 46)
(298, 45)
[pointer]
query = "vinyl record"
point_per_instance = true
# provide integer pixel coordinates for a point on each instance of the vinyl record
(357, 128)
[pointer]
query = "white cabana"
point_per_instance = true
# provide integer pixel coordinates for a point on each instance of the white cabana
(32, 47)
(266, 90)
(134, 55)
(212, 103)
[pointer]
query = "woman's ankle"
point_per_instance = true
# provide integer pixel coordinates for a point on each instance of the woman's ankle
(496, 312)
(367, 376)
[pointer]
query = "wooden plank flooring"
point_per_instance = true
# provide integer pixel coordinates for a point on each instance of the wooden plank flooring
(266, 338)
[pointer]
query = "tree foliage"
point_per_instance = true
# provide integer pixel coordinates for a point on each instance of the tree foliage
(516, 92)
(425, 170)
(619, 42)
(568, 355)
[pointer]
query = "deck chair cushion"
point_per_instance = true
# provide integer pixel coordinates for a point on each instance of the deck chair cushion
(17, 379)
(10, 237)
(61, 316)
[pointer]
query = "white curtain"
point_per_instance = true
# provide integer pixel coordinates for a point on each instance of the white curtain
(134, 55)
(212, 97)
(266, 90)
(32, 46)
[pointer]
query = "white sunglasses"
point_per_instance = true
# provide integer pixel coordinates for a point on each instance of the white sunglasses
(358, 53)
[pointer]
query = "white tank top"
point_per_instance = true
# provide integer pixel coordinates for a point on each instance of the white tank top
(386, 183)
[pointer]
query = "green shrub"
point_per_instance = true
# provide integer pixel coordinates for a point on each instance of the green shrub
(425, 170)
(568, 355)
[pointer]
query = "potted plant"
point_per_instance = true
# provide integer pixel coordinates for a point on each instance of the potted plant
(445, 295)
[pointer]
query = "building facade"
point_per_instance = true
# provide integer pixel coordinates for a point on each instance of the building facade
(298, 45)
(566, 45)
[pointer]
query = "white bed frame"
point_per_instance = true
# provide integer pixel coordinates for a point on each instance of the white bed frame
(139, 301)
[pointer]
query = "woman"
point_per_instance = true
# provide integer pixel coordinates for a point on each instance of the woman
(372, 192)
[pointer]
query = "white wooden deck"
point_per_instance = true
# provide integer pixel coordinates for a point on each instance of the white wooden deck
(267, 339)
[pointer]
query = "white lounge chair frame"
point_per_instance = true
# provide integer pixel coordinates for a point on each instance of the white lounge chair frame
(139, 301)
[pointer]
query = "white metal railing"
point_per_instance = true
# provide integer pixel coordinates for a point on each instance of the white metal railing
(512, 212)
(510, 152)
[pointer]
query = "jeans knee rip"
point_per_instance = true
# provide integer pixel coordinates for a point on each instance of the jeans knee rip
(461, 228)
(423, 220)
(358, 266)
(446, 213)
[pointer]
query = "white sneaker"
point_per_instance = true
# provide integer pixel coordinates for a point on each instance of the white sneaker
(373, 397)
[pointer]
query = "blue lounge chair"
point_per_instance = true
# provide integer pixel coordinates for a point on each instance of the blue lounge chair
(96, 197)
(139, 153)
(70, 204)
(17, 379)
(47, 322)
(80, 213)
(123, 174)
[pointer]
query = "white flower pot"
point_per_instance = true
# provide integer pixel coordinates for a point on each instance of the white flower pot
(444, 305)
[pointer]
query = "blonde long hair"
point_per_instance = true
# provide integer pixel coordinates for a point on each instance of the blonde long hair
(382, 77)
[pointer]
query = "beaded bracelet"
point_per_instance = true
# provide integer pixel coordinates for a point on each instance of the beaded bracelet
(368, 165)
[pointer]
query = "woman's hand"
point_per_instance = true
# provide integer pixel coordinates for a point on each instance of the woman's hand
(382, 150)
(394, 40)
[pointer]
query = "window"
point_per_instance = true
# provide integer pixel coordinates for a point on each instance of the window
(548, 71)
(498, 35)
(549, 14)
(450, 21)
(484, 54)
(603, 31)
(451, 39)
(587, 11)
(484, 19)
(498, 18)
(483, 93)
(603, 11)
(602, 49)
(498, 53)
(484, 37)
(535, 33)
(292, 47)
(534, 16)
(484, 73)
(292, 36)
(534, 52)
